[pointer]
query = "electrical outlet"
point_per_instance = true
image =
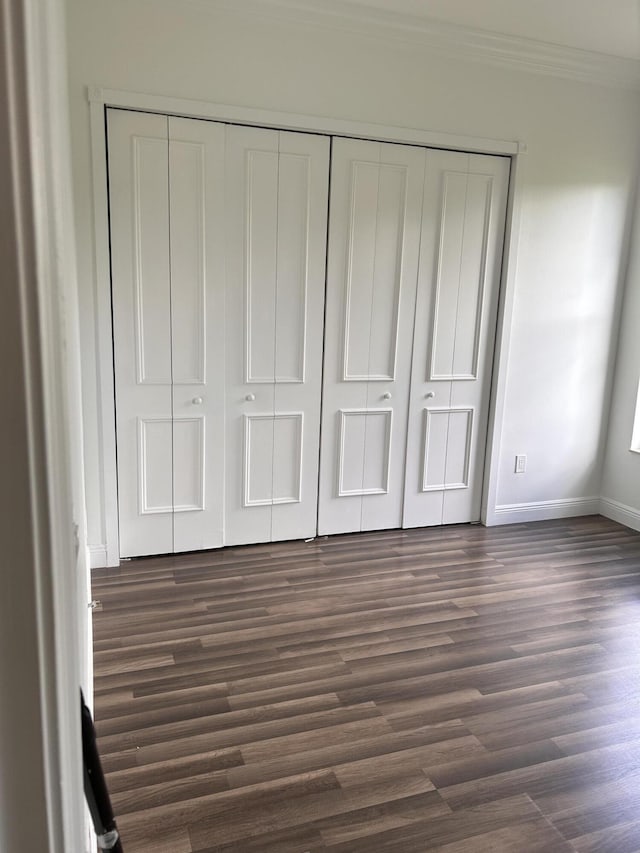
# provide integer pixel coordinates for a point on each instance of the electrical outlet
(521, 463)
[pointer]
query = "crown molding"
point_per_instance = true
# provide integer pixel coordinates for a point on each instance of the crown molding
(457, 42)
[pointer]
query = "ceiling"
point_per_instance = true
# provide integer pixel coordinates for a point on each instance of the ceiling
(606, 26)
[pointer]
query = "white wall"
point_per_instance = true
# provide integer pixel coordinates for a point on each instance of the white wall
(582, 148)
(621, 475)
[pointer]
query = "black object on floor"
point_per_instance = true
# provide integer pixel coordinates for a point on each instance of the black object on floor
(95, 787)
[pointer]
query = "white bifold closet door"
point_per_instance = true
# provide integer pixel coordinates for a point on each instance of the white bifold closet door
(166, 185)
(463, 220)
(276, 212)
(374, 246)
(415, 248)
(218, 249)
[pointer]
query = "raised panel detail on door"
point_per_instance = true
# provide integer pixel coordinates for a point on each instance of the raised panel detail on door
(364, 456)
(459, 298)
(447, 446)
(188, 257)
(139, 215)
(273, 459)
(276, 270)
(151, 282)
(261, 243)
(287, 457)
(258, 460)
(374, 232)
(456, 308)
(276, 191)
(295, 172)
(375, 238)
(155, 484)
(188, 477)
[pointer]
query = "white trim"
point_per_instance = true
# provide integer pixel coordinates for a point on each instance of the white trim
(100, 98)
(190, 108)
(98, 556)
(43, 807)
(545, 510)
(497, 400)
(622, 513)
(635, 433)
(456, 42)
(105, 391)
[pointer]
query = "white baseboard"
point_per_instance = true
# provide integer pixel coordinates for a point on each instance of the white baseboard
(98, 556)
(506, 514)
(543, 510)
(622, 513)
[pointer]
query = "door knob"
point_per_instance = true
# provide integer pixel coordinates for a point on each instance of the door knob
(430, 394)
(250, 398)
(197, 401)
(386, 395)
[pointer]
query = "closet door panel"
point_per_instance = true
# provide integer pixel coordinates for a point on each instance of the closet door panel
(473, 271)
(398, 241)
(277, 187)
(288, 465)
(196, 220)
(251, 181)
(456, 308)
(258, 461)
(261, 235)
(376, 196)
(189, 443)
(188, 223)
(155, 477)
(296, 223)
(360, 265)
(141, 290)
(481, 267)
(302, 239)
(393, 189)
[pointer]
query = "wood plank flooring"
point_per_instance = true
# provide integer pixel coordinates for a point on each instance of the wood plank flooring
(450, 689)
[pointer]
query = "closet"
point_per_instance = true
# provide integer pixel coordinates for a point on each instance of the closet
(247, 410)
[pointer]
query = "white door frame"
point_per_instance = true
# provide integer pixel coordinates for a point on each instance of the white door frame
(99, 99)
(43, 653)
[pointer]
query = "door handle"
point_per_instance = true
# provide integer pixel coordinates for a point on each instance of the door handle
(430, 394)
(386, 395)
(250, 398)
(197, 401)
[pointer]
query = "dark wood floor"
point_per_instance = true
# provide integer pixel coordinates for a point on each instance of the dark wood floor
(452, 689)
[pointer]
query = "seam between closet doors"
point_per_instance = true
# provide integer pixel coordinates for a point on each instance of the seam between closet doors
(373, 294)
(172, 395)
(455, 336)
(324, 331)
(275, 341)
(413, 335)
